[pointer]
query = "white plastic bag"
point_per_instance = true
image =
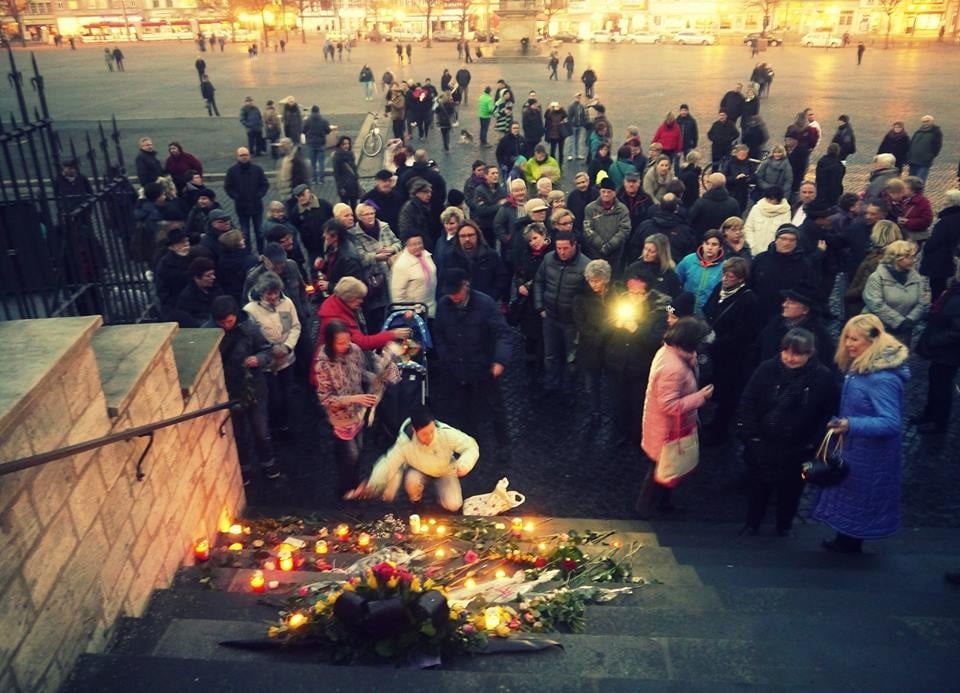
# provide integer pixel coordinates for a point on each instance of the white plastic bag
(488, 504)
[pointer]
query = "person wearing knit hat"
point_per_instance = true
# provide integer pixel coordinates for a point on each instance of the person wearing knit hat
(606, 226)
(607, 184)
(784, 266)
(193, 304)
(233, 263)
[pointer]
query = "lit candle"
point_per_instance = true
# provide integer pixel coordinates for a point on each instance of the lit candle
(424, 529)
(441, 530)
(201, 551)
(236, 546)
(296, 620)
(321, 547)
(469, 583)
(516, 526)
(269, 565)
(257, 582)
(236, 529)
(363, 540)
(414, 524)
(616, 544)
(491, 618)
(342, 532)
(501, 573)
(285, 559)
(432, 520)
(499, 525)
(529, 527)
(440, 553)
(541, 546)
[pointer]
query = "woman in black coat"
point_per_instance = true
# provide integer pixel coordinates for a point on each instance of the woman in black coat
(733, 311)
(938, 251)
(940, 343)
(896, 142)
(782, 416)
(830, 173)
(345, 172)
(522, 312)
(591, 315)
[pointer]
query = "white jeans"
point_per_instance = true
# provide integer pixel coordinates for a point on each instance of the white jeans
(448, 488)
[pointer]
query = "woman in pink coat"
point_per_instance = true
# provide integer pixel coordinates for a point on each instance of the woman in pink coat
(671, 404)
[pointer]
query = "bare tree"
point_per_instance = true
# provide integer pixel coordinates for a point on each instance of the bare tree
(463, 7)
(888, 7)
(428, 6)
(767, 7)
(229, 9)
(550, 9)
(301, 6)
(260, 6)
(15, 10)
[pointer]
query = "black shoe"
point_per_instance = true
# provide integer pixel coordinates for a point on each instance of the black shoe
(834, 547)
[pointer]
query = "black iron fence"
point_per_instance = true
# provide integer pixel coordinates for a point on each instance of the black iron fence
(64, 239)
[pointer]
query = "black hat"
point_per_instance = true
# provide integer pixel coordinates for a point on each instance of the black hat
(800, 297)
(274, 252)
(607, 184)
(175, 236)
(151, 191)
(300, 189)
(222, 306)
(453, 279)
(844, 118)
(418, 184)
(683, 304)
(787, 228)
(643, 273)
(631, 175)
(682, 106)
(819, 209)
(455, 197)
(383, 174)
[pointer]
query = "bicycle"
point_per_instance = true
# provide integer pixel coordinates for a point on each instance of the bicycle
(710, 168)
(372, 143)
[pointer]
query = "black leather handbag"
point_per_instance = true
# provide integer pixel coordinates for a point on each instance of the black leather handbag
(828, 467)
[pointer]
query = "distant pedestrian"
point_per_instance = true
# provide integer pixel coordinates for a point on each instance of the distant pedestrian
(283, 46)
(118, 58)
(222, 41)
(208, 91)
(201, 66)
(400, 53)
(108, 58)
(459, 50)
(252, 120)
(73, 42)
(463, 78)
(466, 52)
(340, 51)
(589, 78)
(409, 54)
(552, 66)
(861, 49)
(368, 81)
(568, 66)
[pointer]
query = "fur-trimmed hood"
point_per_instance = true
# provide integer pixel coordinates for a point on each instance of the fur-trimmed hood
(892, 356)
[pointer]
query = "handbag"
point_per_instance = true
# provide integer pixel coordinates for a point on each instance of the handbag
(499, 501)
(828, 467)
(566, 130)
(678, 458)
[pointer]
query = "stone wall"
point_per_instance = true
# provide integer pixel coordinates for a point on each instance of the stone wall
(83, 541)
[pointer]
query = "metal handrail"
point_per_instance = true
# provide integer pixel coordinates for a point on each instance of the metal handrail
(137, 432)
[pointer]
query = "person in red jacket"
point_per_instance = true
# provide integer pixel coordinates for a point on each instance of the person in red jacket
(345, 305)
(178, 163)
(917, 214)
(669, 136)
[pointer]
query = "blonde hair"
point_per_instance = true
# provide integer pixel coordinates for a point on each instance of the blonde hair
(885, 232)
(896, 185)
(693, 157)
(897, 250)
(451, 212)
(664, 256)
(871, 327)
(349, 288)
(555, 195)
(731, 221)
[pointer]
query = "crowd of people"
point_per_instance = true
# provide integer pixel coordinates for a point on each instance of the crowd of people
(675, 296)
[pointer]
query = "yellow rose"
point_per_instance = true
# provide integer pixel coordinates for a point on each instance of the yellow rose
(349, 587)
(393, 582)
(372, 581)
(333, 597)
(415, 584)
(429, 584)
(503, 631)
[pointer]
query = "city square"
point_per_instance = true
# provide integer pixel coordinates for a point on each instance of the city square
(566, 466)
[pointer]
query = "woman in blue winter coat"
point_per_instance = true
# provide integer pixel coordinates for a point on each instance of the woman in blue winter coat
(700, 272)
(866, 504)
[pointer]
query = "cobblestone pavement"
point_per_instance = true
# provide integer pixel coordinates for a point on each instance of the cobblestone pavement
(563, 468)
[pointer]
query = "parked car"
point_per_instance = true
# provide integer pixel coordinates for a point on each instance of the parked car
(822, 39)
(566, 37)
(404, 36)
(604, 37)
(685, 38)
(771, 39)
(451, 35)
(643, 37)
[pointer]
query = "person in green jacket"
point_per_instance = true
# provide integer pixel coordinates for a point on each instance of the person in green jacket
(485, 113)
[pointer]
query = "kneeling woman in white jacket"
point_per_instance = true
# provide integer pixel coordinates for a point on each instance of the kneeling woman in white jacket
(413, 278)
(276, 316)
(425, 450)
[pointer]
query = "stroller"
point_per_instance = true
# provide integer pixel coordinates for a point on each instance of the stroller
(413, 388)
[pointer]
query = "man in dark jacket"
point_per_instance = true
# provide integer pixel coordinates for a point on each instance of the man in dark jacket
(722, 134)
(424, 168)
(482, 265)
(252, 120)
(487, 200)
(308, 213)
(172, 272)
(846, 138)
(245, 353)
(925, 146)
(415, 215)
(711, 208)
(246, 184)
(474, 346)
(510, 146)
(71, 188)
(732, 104)
(798, 309)
(688, 129)
(639, 204)
(939, 250)
(532, 119)
(194, 303)
(387, 199)
(315, 131)
(665, 219)
(558, 281)
(783, 266)
(149, 167)
(829, 175)
(218, 223)
(583, 193)
(234, 263)
(606, 227)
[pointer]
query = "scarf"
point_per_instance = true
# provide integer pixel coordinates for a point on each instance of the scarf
(727, 293)
(429, 278)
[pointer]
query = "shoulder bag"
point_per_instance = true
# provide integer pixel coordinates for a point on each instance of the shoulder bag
(828, 467)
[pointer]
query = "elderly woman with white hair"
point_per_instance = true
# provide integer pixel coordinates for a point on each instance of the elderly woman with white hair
(591, 315)
(414, 275)
(377, 246)
(896, 293)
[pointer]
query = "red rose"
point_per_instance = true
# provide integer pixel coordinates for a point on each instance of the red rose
(540, 562)
(569, 564)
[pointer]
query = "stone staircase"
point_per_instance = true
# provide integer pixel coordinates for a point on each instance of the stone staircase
(725, 612)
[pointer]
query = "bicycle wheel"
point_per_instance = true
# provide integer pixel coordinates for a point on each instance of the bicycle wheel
(707, 170)
(373, 143)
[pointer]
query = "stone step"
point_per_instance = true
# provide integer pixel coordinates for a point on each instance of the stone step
(121, 673)
(720, 660)
(193, 349)
(126, 354)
